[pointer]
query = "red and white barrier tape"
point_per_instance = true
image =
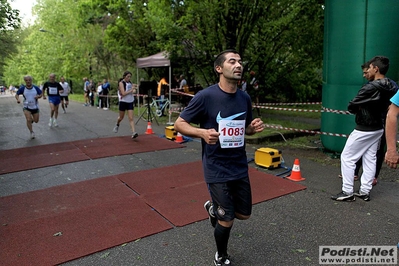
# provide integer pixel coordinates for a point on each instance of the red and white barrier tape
(116, 96)
(176, 110)
(286, 109)
(335, 111)
(324, 109)
(182, 93)
(308, 103)
(179, 109)
(308, 131)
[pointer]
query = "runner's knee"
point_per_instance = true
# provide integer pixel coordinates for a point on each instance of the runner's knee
(242, 217)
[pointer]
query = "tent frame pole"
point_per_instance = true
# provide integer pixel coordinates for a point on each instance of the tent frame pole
(170, 95)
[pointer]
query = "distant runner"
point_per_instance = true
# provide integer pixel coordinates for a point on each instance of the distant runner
(64, 94)
(53, 90)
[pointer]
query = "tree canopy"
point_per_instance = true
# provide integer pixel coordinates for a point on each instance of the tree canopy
(282, 41)
(9, 24)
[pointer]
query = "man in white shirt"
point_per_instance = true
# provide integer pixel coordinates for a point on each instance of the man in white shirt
(31, 94)
(64, 94)
(183, 82)
(99, 95)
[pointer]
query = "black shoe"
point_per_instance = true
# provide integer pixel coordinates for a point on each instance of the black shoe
(220, 261)
(209, 209)
(363, 196)
(343, 197)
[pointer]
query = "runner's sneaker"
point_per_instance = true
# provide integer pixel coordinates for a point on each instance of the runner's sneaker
(32, 135)
(116, 129)
(64, 112)
(362, 195)
(50, 123)
(134, 135)
(343, 197)
(55, 122)
(105, 108)
(209, 209)
(220, 261)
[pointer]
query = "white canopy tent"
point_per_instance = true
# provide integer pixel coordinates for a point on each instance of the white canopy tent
(156, 60)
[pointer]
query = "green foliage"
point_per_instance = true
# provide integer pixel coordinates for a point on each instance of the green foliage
(9, 18)
(280, 40)
(9, 24)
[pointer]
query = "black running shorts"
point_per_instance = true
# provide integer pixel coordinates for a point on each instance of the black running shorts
(230, 198)
(32, 111)
(124, 106)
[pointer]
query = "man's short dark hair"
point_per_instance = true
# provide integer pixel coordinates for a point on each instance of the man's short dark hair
(365, 65)
(382, 62)
(220, 58)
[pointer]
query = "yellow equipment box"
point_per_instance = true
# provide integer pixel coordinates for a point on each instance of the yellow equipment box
(268, 157)
(187, 90)
(170, 132)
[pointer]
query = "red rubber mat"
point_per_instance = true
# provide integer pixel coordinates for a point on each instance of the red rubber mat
(55, 225)
(39, 156)
(267, 187)
(67, 152)
(178, 192)
(164, 178)
(62, 223)
(115, 146)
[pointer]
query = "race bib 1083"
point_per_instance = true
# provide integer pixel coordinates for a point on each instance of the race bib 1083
(232, 133)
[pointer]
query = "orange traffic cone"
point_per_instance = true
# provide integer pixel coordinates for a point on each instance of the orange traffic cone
(296, 172)
(149, 128)
(179, 138)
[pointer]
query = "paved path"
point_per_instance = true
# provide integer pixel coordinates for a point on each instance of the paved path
(283, 231)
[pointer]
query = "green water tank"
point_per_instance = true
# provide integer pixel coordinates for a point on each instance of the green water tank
(354, 32)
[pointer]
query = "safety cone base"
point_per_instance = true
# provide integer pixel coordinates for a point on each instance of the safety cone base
(296, 179)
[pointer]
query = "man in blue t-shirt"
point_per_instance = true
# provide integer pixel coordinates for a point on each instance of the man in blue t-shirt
(106, 88)
(86, 91)
(224, 114)
(53, 90)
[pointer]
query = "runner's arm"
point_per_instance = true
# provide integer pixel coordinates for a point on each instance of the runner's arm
(210, 136)
(391, 156)
(255, 126)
